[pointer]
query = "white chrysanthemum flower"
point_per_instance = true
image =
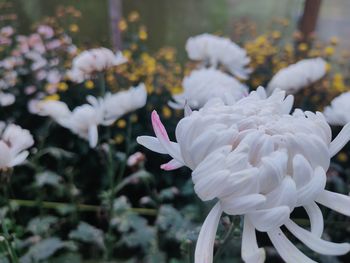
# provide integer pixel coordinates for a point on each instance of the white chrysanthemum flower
(299, 75)
(6, 99)
(215, 51)
(204, 84)
(14, 142)
(260, 161)
(94, 60)
(338, 112)
(85, 119)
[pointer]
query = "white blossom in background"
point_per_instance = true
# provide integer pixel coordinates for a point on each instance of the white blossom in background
(14, 142)
(94, 60)
(135, 159)
(338, 112)
(258, 160)
(299, 75)
(6, 99)
(85, 119)
(204, 84)
(215, 51)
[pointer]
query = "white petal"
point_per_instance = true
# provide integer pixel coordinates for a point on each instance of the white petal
(302, 170)
(335, 201)
(251, 253)
(316, 218)
(243, 204)
(308, 193)
(267, 219)
(286, 249)
(151, 143)
(93, 136)
(315, 243)
(342, 138)
(171, 165)
(20, 158)
(205, 243)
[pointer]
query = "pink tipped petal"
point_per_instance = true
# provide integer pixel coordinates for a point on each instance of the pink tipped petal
(251, 253)
(163, 137)
(335, 201)
(172, 165)
(205, 243)
(339, 142)
(286, 249)
(316, 218)
(315, 243)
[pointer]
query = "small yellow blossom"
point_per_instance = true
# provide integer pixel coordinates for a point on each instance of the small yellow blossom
(342, 157)
(329, 51)
(143, 34)
(89, 84)
(52, 97)
(121, 124)
(74, 28)
(122, 25)
(134, 118)
(303, 47)
(334, 41)
(276, 34)
(134, 16)
(119, 139)
(166, 112)
(62, 86)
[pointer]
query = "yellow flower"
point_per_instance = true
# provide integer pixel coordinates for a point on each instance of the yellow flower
(342, 157)
(62, 86)
(134, 118)
(276, 34)
(143, 34)
(166, 112)
(121, 123)
(328, 67)
(303, 47)
(329, 51)
(134, 16)
(74, 28)
(176, 90)
(52, 97)
(127, 54)
(89, 84)
(122, 25)
(119, 139)
(334, 40)
(110, 78)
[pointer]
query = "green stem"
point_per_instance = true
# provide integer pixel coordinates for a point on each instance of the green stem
(8, 245)
(225, 241)
(81, 207)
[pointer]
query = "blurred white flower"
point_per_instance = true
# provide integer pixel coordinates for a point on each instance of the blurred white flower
(298, 75)
(94, 60)
(85, 119)
(260, 161)
(6, 99)
(204, 84)
(14, 142)
(215, 51)
(338, 112)
(45, 31)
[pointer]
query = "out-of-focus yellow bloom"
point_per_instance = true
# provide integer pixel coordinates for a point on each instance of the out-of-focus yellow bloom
(276, 34)
(134, 118)
(62, 86)
(302, 47)
(133, 46)
(176, 90)
(334, 41)
(52, 97)
(338, 82)
(89, 84)
(134, 16)
(127, 54)
(166, 112)
(74, 28)
(119, 139)
(121, 124)
(342, 157)
(329, 51)
(110, 78)
(122, 25)
(328, 67)
(143, 33)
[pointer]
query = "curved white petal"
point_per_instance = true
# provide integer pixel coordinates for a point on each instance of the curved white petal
(335, 201)
(205, 243)
(339, 142)
(171, 165)
(286, 249)
(20, 158)
(242, 204)
(315, 243)
(151, 143)
(251, 253)
(93, 136)
(316, 218)
(268, 219)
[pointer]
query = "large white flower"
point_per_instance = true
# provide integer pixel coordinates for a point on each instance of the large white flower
(92, 61)
(338, 112)
(298, 75)
(214, 51)
(204, 84)
(85, 119)
(260, 161)
(14, 142)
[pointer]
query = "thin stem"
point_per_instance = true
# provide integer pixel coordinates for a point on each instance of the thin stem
(225, 241)
(81, 207)
(8, 245)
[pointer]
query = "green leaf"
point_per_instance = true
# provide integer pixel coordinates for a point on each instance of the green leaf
(58, 153)
(48, 178)
(41, 225)
(89, 234)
